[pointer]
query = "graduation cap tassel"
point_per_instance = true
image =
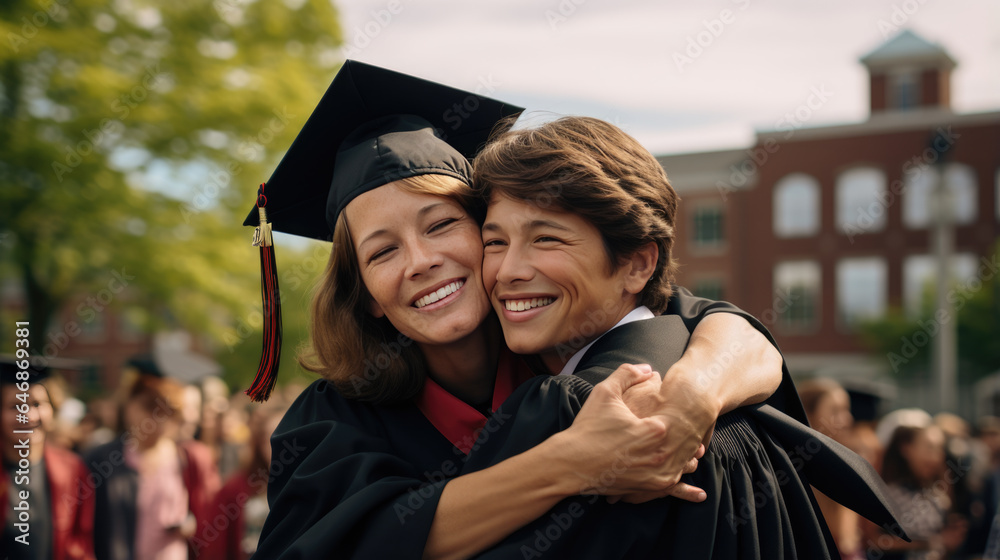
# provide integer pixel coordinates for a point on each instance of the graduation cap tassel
(267, 371)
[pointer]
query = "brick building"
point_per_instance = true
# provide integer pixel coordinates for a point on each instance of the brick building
(814, 229)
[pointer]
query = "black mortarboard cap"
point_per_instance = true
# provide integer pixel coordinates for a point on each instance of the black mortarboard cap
(867, 397)
(10, 367)
(373, 126)
(146, 365)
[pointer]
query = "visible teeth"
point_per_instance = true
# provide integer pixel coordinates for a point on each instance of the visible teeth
(526, 304)
(440, 293)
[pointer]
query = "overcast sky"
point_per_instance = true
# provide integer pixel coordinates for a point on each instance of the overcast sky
(632, 62)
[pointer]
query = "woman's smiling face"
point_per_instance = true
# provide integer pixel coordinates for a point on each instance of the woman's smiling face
(550, 280)
(420, 257)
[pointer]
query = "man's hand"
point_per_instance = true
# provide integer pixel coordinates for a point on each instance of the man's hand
(688, 414)
(614, 452)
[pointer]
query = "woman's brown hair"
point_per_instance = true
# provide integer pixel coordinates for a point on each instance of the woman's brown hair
(812, 391)
(593, 169)
(365, 357)
(895, 467)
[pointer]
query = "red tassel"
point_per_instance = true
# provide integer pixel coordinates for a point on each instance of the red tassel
(267, 371)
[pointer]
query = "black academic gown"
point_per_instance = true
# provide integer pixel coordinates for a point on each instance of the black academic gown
(355, 480)
(756, 473)
(361, 481)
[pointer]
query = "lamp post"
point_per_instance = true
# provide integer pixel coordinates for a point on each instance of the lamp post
(945, 362)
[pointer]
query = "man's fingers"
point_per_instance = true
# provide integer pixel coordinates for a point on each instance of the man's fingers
(691, 466)
(626, 376)
(686, 492)
(681, 491)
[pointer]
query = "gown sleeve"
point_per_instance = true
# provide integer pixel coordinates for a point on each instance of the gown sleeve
(337, 488)
(692, 309)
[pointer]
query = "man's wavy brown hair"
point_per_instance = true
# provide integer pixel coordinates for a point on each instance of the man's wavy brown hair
(595, 170)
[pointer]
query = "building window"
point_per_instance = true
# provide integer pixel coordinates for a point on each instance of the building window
(709, 229)
(797, 293)
(905, 91)
(920, 277)
(860, 201)
(918, 197)
(961, 181)
(796, 206)
(861, 289)
(132, 323)
(94, 328)
(710, 288)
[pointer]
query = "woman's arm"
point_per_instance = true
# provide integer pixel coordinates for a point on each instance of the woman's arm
(606, 450)
(339, 483)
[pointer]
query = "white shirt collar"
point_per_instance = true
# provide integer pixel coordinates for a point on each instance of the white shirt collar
(638, 314)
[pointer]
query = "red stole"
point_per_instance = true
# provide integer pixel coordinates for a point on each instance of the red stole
(458, 421)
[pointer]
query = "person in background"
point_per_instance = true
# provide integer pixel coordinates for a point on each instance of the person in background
(967, 469)
(40, 480)
(989, 435)
(828, 408)
(243, 498)
(914, 468)
(152, 488)
(214, 404)
(98, 425)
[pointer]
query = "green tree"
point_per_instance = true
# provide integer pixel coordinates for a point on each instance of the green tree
(907, 341)
(133, 135)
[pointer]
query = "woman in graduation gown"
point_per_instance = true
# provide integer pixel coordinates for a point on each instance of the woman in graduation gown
(600, 239)
(366, 462)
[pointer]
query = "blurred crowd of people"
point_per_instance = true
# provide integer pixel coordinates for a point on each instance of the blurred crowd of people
(943, 473)
(169, 470)
(161, 469)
